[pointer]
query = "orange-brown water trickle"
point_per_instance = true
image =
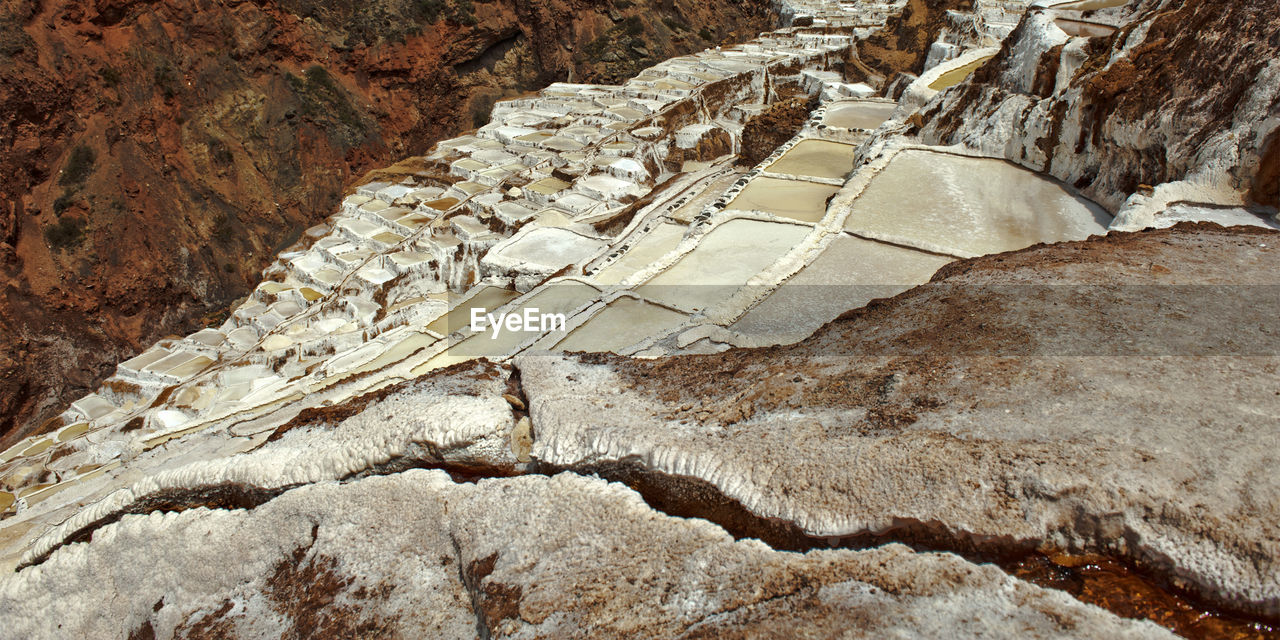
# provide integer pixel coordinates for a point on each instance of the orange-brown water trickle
(1125, 592)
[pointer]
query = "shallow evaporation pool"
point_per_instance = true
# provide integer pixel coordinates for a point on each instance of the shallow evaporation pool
(708, 193)
(1089, 5)
(556, 298)
(858, 115)
(551, 247)
(460, 316)
(660, 241)
(622, 323)
(957, 75)
(38, 447)
(970, 206)
(795, 199)
(1084, 28)
(729, 256)
(73, 431)
(848, 274)
(395, 352)
(816, 158)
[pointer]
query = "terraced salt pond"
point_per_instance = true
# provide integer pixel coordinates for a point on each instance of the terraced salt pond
(1089, 5)
(848, 274)
(724, 261)
(549, 247)
(795, 199)
(460, 316)
(858, 115)
(562, 297)
(957, 75)
(969, 206)
(660, 241)
(816, 158)
(622, 323)
(1084, 28)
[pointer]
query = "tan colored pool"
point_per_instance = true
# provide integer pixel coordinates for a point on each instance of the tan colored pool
(657, 243)
(460, 316)
(622, 323)
(850, 273)
(795, 199)
(561, 297)
(1090, 5)
(1084, 28)
(970, 206)
(956, 76)
(729, 256)
(858, 115)
(817, 158)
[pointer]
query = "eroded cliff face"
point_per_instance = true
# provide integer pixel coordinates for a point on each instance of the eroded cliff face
(1186, 93)
(156, 155)
(903, 45)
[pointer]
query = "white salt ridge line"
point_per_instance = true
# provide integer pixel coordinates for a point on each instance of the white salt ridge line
(470, 426)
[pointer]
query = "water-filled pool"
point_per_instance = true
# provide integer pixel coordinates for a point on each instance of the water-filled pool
(970, 206)
(817, 158)
(795, 199)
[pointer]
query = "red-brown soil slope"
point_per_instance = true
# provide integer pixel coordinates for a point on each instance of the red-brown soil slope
(156, 154)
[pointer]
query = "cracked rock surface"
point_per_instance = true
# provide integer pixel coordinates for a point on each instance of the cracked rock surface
(1093, 427)
(1062, 430)
(505, 558)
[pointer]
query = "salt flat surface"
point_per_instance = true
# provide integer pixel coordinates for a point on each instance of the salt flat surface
(655, 244)
(803, 201)
(725, 259)
(622, 323)
(817, 158)
(460, 316)
(858, 115)
(970, 206)
(562, 297)
(552, 248)
(850, 273)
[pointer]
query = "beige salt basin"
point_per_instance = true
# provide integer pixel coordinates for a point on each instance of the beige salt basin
(969, 206)
(622, 323)
(848, 274)
(660, 241)
(1084, 28)
(957, 75)
(460, 316)
(557, 298)
(816, 158)
(1089, 5)
(858, 115)
(729, 256)
(795, 199)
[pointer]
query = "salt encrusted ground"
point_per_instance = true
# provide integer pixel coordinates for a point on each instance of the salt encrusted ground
(995, 411)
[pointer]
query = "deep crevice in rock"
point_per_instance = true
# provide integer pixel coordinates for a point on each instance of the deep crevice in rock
(1112, 583)
(217, 496)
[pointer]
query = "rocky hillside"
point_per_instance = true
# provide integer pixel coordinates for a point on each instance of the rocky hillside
(1166, 94)
(903, 45)
(157, 154)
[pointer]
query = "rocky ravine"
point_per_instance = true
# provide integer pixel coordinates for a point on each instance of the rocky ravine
(157, 155)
